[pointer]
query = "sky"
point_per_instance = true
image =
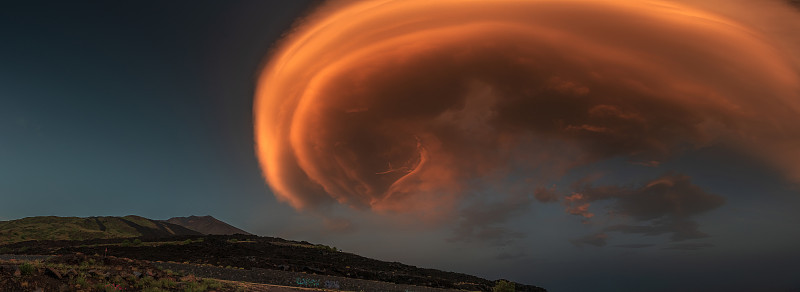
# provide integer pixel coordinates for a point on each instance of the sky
(574, 145)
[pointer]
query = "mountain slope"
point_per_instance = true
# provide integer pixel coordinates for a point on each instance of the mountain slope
(78, 228)
(260, 255)
(167, 242)
(206, 225)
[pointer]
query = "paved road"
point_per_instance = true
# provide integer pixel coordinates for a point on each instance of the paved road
(295, 279)
(8, 257)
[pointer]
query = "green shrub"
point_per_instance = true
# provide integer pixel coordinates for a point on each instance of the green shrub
(166, 283)
(117, 279)
(144, 282)
(26, 268)
(81, 280)
(137, 242)
(212, 284)
(325, 247)
(503, 286)
(126, 243)
(195, 287)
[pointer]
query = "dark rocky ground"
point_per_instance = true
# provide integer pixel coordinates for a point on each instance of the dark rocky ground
(95, 273)
(98, 273)
(247, 256)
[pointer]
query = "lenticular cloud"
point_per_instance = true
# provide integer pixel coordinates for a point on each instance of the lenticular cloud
(410, 105)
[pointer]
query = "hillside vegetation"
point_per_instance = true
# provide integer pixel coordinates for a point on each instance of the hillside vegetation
(77, 228)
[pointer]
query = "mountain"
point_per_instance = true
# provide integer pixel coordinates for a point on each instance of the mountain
(78, 228)
(206, 225)
(267, 260)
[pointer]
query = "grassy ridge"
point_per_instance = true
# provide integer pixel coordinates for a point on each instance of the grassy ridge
(78, 228)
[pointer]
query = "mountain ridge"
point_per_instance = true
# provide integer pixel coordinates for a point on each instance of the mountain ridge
(85, 228)
(206, 225)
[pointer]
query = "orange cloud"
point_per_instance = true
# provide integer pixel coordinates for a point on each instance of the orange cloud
(404, 105)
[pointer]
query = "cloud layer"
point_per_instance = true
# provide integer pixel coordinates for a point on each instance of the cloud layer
(418, 106)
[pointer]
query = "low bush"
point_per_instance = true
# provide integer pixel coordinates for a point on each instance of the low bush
(503, 286)
(195, 287)
(212, 284)
(166, 283)
(81, 280)
(26, 268)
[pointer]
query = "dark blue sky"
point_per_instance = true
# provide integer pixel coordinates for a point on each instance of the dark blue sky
(145, 108)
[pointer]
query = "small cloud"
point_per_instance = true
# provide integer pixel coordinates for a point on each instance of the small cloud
(576, 205)
(598, 239)
(689, 246)
(545, 195)
(649, 163)
(635, 245)
(581, 210)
